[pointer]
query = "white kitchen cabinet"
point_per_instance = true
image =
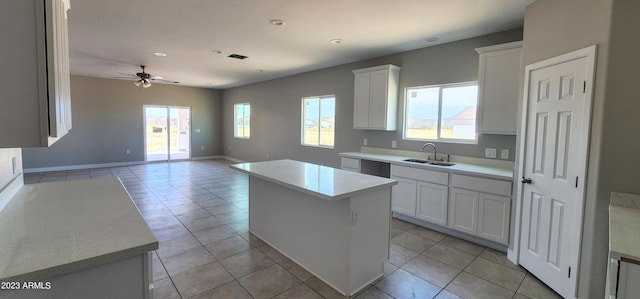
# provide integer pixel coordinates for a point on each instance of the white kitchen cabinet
(420, 193)
(376, 98)
(498, 86)
(432, 203)
(463, 210)
(34, 78)
(403, 196)
(628, 278)
(350, 164)
(480, 207)
(493, 217)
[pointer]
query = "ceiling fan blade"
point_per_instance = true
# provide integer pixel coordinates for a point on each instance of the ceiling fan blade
(165, 81)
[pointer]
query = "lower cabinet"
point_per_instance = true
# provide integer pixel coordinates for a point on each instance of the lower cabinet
(474, 210)
(463, 210)
(403, 196)
(432, 203)
(420, 193)
(623, 277)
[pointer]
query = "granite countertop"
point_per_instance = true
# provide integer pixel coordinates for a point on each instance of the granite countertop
(51, 229)
(320, 181)
(624, 220)
(461, 168)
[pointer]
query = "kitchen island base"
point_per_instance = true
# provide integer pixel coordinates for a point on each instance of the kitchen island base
(342, 242)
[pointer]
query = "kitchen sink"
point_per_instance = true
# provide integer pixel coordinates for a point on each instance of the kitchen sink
(430, 162)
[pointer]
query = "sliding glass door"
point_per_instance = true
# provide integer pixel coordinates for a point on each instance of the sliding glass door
(167, 133)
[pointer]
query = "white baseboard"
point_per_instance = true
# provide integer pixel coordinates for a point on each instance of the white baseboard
(234, 159)
(84, 166)
(207, 158)
(117, 164)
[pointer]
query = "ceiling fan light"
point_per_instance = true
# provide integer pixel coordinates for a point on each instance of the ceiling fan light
(146, 83)
(137, 83)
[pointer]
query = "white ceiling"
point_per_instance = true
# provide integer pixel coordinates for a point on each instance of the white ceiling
(110, 37)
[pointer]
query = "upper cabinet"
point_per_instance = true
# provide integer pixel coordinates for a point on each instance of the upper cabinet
(376, 98)
(498, 86)
(34, 78)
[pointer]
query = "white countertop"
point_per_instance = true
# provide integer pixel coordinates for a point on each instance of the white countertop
(624, 221)
(50, 229)
(320, 181)
(462, 168)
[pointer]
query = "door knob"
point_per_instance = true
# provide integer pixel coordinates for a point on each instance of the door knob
(526, 180)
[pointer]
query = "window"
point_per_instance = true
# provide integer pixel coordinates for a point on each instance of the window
(242, 120)
(318, 120)
(441, 112)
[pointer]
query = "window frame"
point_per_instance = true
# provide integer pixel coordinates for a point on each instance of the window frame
(439, 121)
(303, 117)
(235, 118)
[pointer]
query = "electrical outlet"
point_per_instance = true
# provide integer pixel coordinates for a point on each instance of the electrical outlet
(365, 141)
(202, 147)
(267, 155)
(229, 147)
(128, 151)
(393, 144)
(490, 153)
(504, 153)
(197, 130)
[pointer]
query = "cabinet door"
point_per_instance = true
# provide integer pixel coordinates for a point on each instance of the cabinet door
(361, 100)
(58, 65)
(350, 164)
(493, 218)
(463, 210)
(432, 203)
(403, 196)
(629, 276)
(498, 91)
(378, 99)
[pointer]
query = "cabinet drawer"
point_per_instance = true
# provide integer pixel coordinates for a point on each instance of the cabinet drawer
(350, 163)
(481, 184)
(418, 174)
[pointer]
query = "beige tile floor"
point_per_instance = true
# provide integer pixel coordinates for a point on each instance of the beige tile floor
(198, 211)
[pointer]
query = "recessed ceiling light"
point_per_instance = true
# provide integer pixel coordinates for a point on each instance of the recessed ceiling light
(216, 51)
(160, 54)
(260, 71)
(277, 22)
(336, 41)
(433, 39)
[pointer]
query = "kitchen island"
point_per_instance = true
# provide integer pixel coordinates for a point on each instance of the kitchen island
(74, 239)
(334, 223)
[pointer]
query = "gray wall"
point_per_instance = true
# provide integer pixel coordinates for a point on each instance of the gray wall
(108, 119)
(275, 105)
(556, 27)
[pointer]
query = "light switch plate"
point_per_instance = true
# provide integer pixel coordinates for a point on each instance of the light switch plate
(490, 153)
(504, 153)
(365, 141)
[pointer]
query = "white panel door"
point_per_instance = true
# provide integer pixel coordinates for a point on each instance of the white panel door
(552, 170)
(463, 210)
(403, 196)
(432, 203)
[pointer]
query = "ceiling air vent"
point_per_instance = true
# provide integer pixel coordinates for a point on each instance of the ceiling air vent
(238, 56)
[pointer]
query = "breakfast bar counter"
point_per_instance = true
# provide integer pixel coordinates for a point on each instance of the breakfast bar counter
(334, 223)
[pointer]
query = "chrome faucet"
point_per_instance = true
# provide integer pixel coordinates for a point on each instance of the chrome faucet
(435, 151)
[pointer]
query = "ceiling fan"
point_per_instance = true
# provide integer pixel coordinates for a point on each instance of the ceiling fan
(143, 78)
